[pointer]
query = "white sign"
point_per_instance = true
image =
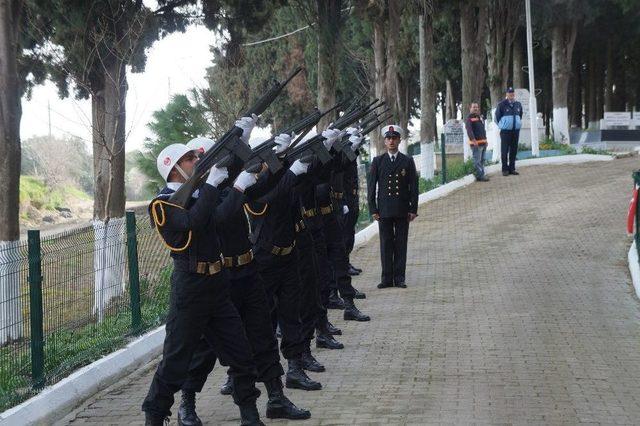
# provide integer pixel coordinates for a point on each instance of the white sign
(454, 132)
(522, 96)
(617, 119)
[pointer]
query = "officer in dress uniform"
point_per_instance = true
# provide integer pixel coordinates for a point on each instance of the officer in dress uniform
(247, 294)
(393, 202)
(199, 304)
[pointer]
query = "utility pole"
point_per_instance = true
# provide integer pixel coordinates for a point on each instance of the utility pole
(533, 108)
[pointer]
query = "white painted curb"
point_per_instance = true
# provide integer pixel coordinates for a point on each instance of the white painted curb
(370, 231)
(634, 267)
(55, 401)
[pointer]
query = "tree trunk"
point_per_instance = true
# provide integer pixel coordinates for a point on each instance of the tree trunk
(11, 326)
(473, 30)
(380, 70)
(450, 102)
(518, 62)
(608, 88)
(563, 38)
(501, 33)
(576, 93)
(427, 96)
(328, 54)
(393, 89)
(109, 199)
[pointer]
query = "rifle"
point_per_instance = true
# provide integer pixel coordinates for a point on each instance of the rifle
(229, 144)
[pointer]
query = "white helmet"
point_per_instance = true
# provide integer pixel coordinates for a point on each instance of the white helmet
(169, 157)
(201, 145)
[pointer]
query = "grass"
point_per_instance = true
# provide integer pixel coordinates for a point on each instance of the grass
(35, 192)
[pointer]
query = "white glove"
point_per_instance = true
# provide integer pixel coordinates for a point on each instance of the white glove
(352, 130)
(246, 124)
(298, 167)
(345, 209)
(356, 141)
(217, 175)
(245, 180)
(330, 135)
(282, 141)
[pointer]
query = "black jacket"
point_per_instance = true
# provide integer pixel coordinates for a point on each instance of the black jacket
(393, 187)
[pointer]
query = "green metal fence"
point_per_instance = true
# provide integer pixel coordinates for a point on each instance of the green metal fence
(70, 298)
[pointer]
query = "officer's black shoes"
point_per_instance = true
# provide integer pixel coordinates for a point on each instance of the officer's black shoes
(328, 342)
(383, 285)
(401, 284)
(505, 173)
(309, 362)
(351, 313)
(298, 379)
(482, 179)
(332, 329)
(151, 419)
(249, 415)
(353, 267)
(514, 173)
(227, 387)
(187, 415)
(352, 271)
(359, 294)
(335, 302)
(279, 406)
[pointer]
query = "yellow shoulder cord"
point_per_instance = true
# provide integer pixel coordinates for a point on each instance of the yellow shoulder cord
(247, 208)
(160, 221)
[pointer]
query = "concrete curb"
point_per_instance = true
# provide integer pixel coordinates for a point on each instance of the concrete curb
(634, 267)
(55, 401)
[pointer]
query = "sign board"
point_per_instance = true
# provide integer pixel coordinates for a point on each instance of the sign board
(617, 119)
(522, 96)
(454, 132)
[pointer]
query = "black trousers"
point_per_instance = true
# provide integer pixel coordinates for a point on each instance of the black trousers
(282, 285)
(249, 298)
(311, 305)
(337, 255)
(349, 222)
(200, 306)
(394, 232)
(323, 269)
(509, 149)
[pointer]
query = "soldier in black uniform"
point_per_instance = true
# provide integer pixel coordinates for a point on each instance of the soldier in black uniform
(199, 305)
(393, 202)
(248, 296)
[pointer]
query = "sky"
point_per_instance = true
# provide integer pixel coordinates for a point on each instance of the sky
(175, 64)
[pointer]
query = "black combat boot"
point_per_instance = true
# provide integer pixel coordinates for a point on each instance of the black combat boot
(151, 419)
(279, 406)
(309, 362)
(249, 415)
(359, 294)
(227, 387)
(351, 313)
(353, 267)
(326, 340)
(335, 302)
(352, 271)
(187, 415)
(332, 329)
(297, 378)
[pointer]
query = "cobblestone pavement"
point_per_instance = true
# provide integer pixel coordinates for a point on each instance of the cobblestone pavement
(519, 310)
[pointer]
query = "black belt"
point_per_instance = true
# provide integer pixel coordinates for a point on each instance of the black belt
(241, 259)
(277, 250)
(300, 225)
(338, 195)
(309, 213)
(326, 210)
(203, 268)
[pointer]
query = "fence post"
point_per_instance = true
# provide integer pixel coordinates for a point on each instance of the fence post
(443, 158)
(636, 235)
(134, 277)
(35, 308)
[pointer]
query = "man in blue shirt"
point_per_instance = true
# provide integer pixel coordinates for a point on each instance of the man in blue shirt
(509, 119)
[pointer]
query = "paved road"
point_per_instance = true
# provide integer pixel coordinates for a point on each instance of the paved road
(519, 310)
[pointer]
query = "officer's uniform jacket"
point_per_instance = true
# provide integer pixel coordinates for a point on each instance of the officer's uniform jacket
(396, 184)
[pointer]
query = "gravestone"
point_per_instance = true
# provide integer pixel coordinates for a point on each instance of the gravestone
(613, 120)
(522, 96)
(454, 132)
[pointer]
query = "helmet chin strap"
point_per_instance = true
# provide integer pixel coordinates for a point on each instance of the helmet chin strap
(182, 172)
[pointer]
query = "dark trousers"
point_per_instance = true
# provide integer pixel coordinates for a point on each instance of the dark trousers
(323, 269)
(509, 149)
(311, 306)
(200, 306)
(249, 298)
(337, 254)
(349, 222)
(282, 285)
(394, 232)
